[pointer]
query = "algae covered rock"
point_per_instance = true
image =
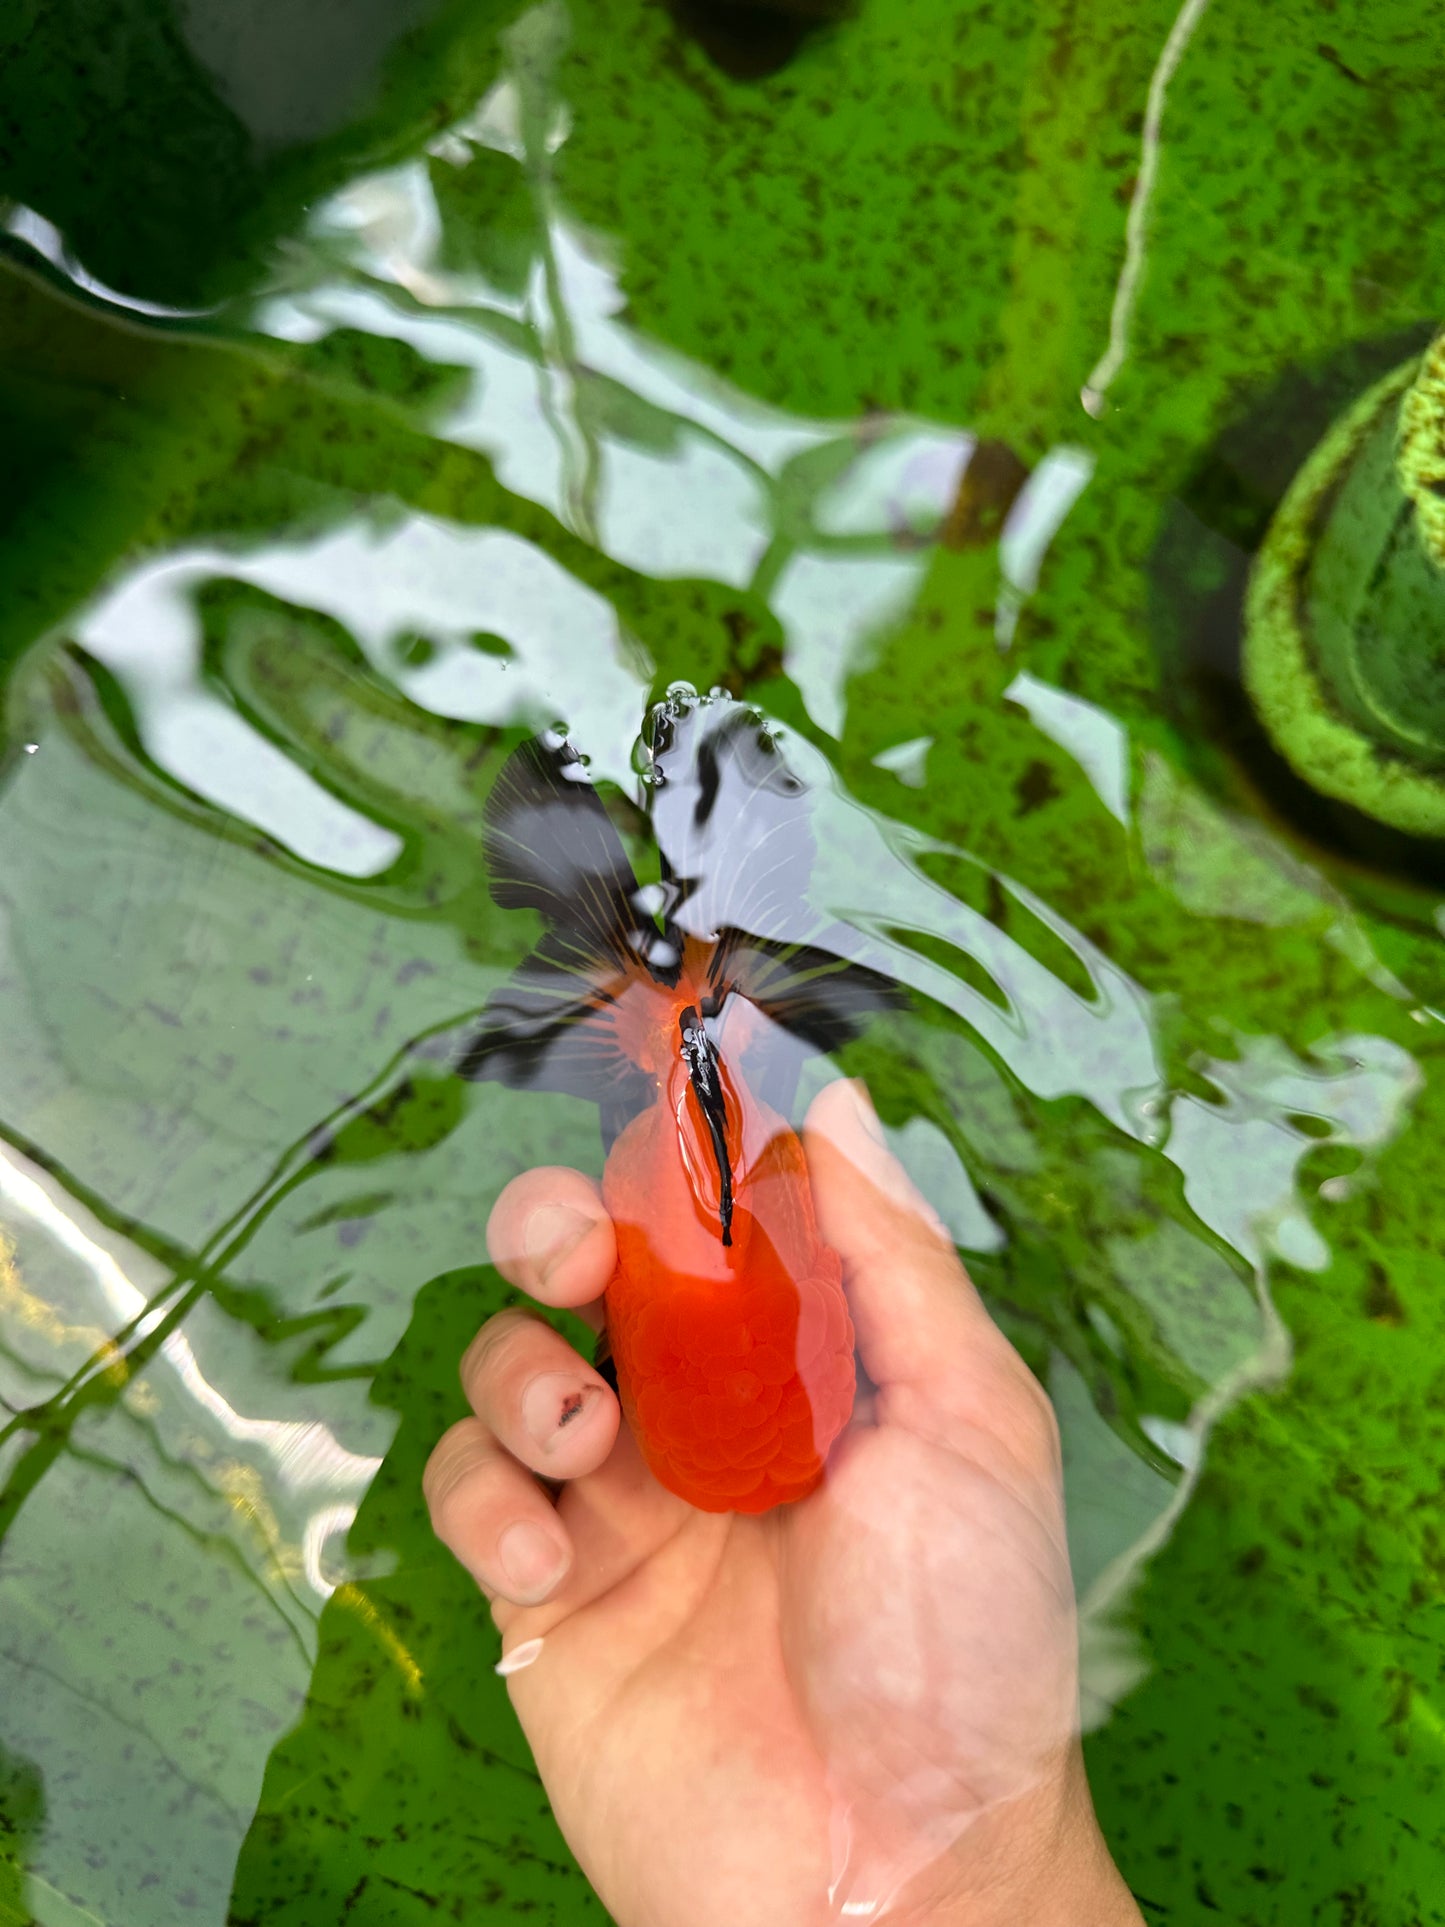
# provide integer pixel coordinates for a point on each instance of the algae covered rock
(1344, 654)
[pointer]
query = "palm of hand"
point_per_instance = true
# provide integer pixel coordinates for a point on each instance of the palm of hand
(756, 1681)
(732, 1715)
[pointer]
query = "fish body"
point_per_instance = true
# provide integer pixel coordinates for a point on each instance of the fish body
(734, 1354)
(726, 1316)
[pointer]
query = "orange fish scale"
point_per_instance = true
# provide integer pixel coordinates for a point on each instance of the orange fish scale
(734, 1362)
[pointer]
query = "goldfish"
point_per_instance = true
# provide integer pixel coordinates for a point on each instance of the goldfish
(726, 1317)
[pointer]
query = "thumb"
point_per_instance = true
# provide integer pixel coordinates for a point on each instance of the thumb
(923, 1331)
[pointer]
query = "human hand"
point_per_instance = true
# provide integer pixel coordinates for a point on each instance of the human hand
(864, 1702)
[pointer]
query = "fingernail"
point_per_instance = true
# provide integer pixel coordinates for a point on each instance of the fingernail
(863, 1105)
(554, 1404)
(519, 1659)
(553, 1231)
(532, 1561)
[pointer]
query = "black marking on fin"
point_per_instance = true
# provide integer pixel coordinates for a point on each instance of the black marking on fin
(702, 1069)
(822, 998)
(734, 829)
(732, 819)
(548, 1028)
(551, 847)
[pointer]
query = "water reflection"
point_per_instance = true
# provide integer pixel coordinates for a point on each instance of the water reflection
(1271, 1109)
(1097, 741)
(195, 1544)
(410, 576)
(651, 457)
(1186, 24)
(32, 230)
(298, 1463)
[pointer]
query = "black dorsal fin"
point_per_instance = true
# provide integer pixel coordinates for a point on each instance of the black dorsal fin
(705, 1076)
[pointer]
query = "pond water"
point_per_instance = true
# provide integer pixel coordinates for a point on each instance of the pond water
(381, 384)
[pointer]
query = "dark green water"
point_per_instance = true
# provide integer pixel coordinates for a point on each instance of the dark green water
(382, 382)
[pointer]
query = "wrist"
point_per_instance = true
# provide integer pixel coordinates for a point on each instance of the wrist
(1040, 1860)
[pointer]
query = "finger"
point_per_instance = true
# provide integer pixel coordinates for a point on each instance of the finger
(543, 1403)
(493, 1515)
(922, 1329)
(550, 1236)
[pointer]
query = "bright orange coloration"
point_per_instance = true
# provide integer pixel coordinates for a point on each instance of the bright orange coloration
(734, 1361)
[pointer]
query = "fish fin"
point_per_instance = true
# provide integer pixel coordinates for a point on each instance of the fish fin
(816, 996)
(551, 1027)
(550, 846)
(629, 1095)
(722, 788)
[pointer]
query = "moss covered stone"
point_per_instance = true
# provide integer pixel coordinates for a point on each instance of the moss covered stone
(1344, 656)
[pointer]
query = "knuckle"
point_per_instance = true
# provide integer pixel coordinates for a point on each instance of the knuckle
(455, 1505)
(1038, 1422)
(494, 1346)
(453, 1473)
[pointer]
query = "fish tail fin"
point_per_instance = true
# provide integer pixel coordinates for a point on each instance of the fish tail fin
(721, 784)
(821, 998)
(550, 846)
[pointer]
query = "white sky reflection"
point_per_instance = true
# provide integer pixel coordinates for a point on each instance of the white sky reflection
(308, 1464)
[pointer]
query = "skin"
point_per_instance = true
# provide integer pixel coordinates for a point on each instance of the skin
(871, 1693)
